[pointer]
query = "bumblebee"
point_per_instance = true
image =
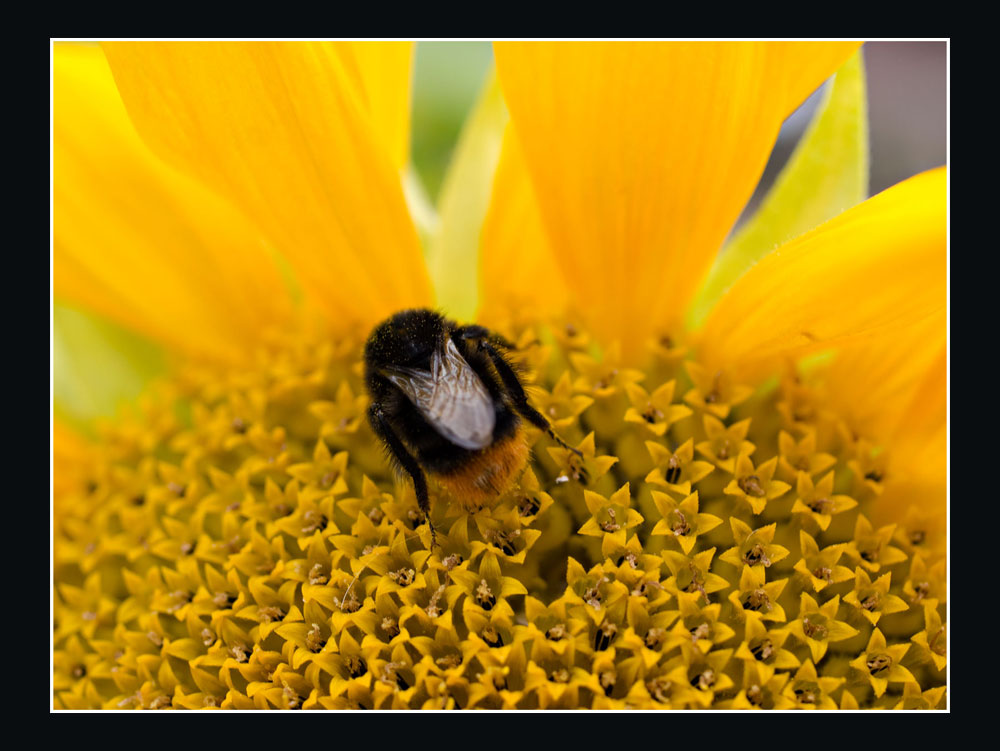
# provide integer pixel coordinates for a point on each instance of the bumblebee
(446, 400)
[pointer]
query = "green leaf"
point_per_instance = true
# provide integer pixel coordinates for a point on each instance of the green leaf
(97, 366)
(453, 254)
(827, 174)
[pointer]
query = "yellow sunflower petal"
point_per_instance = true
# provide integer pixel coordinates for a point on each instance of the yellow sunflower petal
(827, 174)
(642, 156)
(875, 269)
(517, 271)
(876, 383)
(285, 132)
(918, 478)
(384, 69)
(140, 243)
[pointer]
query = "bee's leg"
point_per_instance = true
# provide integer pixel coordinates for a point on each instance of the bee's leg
(481, 332)
(519, 399)
(384, 431)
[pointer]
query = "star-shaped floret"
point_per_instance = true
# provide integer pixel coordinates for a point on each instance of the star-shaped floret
(356, 695)
(655, 412)
(817, 626)
(691, 573)
(593, 595)
(807, 690)
(257, 670)
(661, 689)
(313, 515)
(398, 568)
(561, 406)
(352, 664)
(441, 655)
(326, 474)
(800, 406)
(344, 594)
(270, 606)
(872, 598)
(648, 634)
(817, 501)
(505, 533)
(925, 584)
(754, 595)
(487, 588)
(501, 684)
(585, 469)
(761, 689)
(369, 503)
(491, 631)
(725, 444)
(551, 622)
(637, 569)
(665, 357)
(818, 567)
(438, 693)
(289, 689)
(430, 604)
(382, 624)
(312, 637)
(764, 647)
(367, 540)
(571, 336)
(914, 698)
(609, 514)
(530, 500)
(932, 642)
(871, 548)
(754, 547)
(801, 456)
(395, 679)
(607, 669)
(699, 627)
(755, 486)
(605, 377)
(180, 586)
(87, 608)
(270, 457)
(869, 466)
(880, 665)
(714, 392)
(676, 470)
(705, 674)
(921, 529)
(342, 416)
(75, 667)
(681, 520)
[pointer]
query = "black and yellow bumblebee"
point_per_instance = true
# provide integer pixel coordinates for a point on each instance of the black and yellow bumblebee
(446, 400)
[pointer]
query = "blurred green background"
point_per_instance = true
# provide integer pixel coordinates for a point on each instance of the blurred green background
(447, 77)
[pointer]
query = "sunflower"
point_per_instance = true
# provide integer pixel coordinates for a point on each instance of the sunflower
(754, 516)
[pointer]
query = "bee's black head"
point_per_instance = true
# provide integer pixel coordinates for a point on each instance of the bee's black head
(407, 339)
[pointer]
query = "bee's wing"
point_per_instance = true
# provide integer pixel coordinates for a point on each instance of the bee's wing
(451, 397)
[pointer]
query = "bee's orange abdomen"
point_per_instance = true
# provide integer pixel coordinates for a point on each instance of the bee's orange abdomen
(482, 479)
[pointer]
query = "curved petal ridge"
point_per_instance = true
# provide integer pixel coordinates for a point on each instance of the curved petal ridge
(875, 269)
(140, 243)
(642, 156)
(285, 130)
